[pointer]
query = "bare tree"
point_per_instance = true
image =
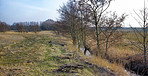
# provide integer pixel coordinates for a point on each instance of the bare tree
(85, 19)
(35, 28)
(76, 15)
(69, 15)
(20, 27)
(61, 28)
(110, 29)
(142, 35)
(97, 7)
(3, 27)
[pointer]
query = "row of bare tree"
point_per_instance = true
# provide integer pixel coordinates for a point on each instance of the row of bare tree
(3, 27)
(26, 27)
(141, 35)
(20, 27)
(80, 15)
(77, 16)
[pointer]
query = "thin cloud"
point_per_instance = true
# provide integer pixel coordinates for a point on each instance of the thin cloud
(19, 4)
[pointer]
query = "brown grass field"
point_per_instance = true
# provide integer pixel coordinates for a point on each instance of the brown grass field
(31, 54)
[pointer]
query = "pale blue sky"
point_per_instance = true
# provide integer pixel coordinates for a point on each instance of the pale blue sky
(29, 10)
(41, 10)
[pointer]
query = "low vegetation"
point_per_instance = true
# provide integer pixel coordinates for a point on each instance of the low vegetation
(41, 54)
(46, 53)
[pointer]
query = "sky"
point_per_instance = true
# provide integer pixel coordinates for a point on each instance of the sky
(29, 10)
(41, 10)
(128, 7)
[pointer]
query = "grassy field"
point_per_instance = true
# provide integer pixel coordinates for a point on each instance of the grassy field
(41, 54)
(48, 54)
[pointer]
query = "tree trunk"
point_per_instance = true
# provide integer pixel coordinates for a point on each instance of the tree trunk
(145, 58)
(85, 50)
(97, 34)
(106, 49)
(144, 37)
(144, 45)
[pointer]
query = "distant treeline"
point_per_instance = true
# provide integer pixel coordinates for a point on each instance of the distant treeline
(46, 25)
(28, 26)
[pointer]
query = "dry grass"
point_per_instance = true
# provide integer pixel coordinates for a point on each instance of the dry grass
(8, 38)
(33, 56)
(116, 68)
(120, 52)
(114, 52)
(47, 33)
(12, 37)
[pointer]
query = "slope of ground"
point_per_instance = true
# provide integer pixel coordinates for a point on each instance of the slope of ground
(42, 54)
